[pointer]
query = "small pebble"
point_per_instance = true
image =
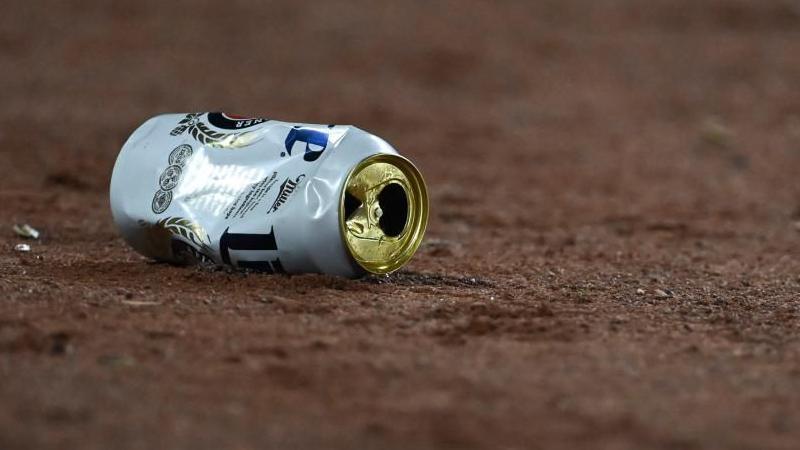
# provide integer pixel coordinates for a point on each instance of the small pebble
(661, 293)
(713, 131)
(22, 248)
(140, 303)
(640, 291)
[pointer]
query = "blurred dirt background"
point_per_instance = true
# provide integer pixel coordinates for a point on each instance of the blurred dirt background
(613, 257)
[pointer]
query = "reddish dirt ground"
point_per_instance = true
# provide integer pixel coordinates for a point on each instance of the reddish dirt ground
(613, 256)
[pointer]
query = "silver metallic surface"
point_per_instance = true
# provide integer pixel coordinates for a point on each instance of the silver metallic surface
(251, 193)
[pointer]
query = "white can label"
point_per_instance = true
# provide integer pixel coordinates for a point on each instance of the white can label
(248, 192)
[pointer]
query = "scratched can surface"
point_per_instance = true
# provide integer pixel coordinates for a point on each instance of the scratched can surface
(266, 195)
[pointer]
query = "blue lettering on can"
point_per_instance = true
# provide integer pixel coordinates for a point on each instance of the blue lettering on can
(309, 137)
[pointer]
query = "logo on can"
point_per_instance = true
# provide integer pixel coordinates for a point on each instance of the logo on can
(170, 177)
(287, 188)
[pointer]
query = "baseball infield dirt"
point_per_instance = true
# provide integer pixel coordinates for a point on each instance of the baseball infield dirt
(612, 260)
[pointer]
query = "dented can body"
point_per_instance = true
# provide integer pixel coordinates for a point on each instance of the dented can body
(267, 195)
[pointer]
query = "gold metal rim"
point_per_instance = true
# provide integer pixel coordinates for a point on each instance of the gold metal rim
(369, 244)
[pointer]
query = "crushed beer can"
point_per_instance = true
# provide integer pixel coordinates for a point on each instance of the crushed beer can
(267, 195)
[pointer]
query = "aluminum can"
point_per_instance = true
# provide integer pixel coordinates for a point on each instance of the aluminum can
(266, 195)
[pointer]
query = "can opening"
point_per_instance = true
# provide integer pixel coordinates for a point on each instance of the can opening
(393, 202)
(383, 211)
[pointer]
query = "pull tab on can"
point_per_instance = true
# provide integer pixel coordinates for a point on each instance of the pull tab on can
(383, 212)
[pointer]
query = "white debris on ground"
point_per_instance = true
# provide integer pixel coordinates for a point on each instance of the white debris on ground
(26, 231)
(22, 247)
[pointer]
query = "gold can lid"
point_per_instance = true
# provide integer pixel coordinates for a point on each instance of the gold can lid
(383, 212)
